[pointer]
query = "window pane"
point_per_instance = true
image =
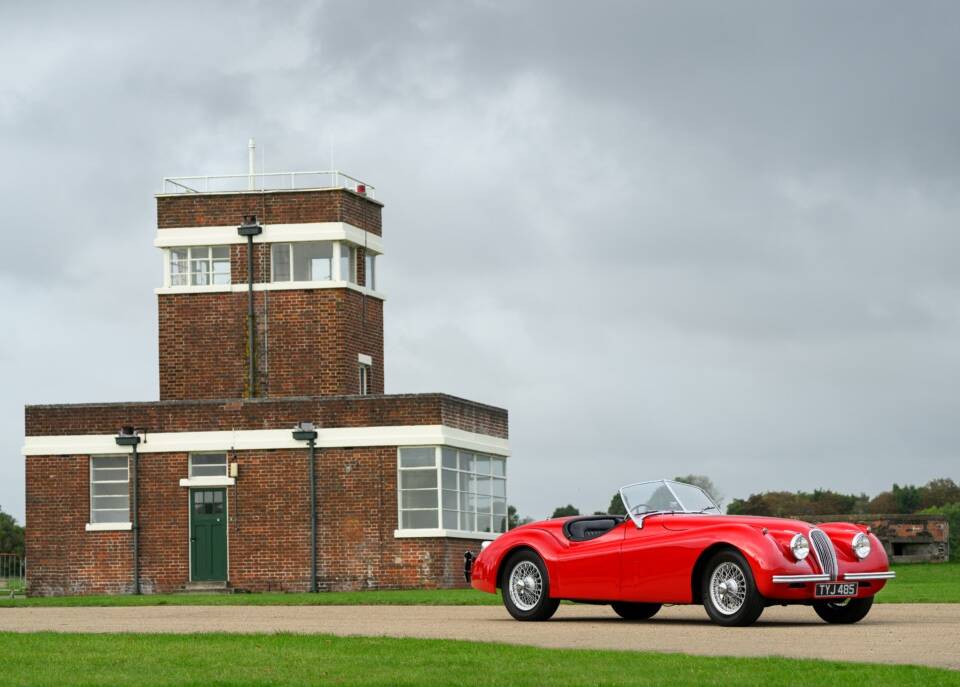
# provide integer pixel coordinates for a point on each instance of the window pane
(450, 519)
(220, 252)
(468, 502)
(468, 483)
(468, 522)
(466, 461)
(221, 265)
(499, 487)
(312, 260)
(426, 498)
(110, 475)
(209, 459)
(483, 464)
(483, 485)
(483, 504)
(483, 523)
(450, 499)
(449, 479)
(111, 516)
(418, 457)
(499, 523)
(209, 471)
(370, 272)
(200, 272)
(449, 458)
(110, 462)
(418, 479)
(348, 262)
(418, 519)
(110, 502)
(500, 506)
(111, 489)
(280, 259)
(498, 466)
(200, 253)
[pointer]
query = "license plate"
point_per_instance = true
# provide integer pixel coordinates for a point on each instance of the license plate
(835, 589)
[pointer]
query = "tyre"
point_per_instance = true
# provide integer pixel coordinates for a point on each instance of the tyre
(526, 587)
(729, 592)
(845, 611)
(635, 611)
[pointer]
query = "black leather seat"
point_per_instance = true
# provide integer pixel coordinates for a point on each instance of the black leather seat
(590, 526)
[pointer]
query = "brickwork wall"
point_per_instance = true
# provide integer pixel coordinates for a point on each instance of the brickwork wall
(212, 415)
(271, 207)
(268, 527)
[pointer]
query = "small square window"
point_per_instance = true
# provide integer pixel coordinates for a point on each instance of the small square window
(208, 465)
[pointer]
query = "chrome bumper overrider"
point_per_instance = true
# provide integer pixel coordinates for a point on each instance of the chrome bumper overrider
(813, 577)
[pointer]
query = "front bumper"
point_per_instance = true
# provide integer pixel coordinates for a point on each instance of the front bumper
(853, 577)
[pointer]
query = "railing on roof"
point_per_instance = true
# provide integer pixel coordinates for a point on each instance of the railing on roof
(269, 181)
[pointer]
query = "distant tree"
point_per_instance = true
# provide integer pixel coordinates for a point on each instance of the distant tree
(564, 511)
(884, 502)
(704, 483)
(11, 534)
(939, 492)
(616, 505)
(514, 520)
(907, 498)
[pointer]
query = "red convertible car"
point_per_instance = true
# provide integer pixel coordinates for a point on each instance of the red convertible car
(675, 547)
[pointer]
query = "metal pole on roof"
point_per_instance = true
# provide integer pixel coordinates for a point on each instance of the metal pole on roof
(251, 165)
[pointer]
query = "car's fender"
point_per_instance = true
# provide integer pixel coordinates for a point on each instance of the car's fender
(488, 564)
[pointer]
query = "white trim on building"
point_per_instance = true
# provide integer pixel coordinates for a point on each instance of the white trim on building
(270, 286)
(259, 439)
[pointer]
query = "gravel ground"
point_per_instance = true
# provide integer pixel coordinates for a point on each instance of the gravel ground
(925, 634)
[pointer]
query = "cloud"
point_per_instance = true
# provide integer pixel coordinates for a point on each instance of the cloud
(670, 238)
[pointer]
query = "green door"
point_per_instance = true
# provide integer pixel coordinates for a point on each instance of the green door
(208, 535)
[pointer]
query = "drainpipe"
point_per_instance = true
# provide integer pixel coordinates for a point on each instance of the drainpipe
(128, 437)
(250, 228)
(306, 432)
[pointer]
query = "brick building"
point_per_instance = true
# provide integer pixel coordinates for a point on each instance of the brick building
(271, 360)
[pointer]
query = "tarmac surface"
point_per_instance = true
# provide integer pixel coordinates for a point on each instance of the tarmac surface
(924, 634)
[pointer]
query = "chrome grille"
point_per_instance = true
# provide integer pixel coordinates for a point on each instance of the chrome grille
(826, 554)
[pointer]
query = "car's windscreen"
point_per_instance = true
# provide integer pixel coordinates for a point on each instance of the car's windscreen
(661, 496)
(694, 500)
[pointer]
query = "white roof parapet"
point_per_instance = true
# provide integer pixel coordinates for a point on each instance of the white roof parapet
(268, 181)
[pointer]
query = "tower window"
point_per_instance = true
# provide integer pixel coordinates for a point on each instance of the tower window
(304, 261)
(109, 489)
(199, 265)
(370, 271)
(348, 263)
(364, 370)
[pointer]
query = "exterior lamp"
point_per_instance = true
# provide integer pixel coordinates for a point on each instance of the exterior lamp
(128, 437)
(250, 228)
(305, 431)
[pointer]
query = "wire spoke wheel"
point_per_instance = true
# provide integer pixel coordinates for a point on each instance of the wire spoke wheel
(526, 585)
(728, 588)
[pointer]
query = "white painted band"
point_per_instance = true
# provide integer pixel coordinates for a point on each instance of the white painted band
(208, 482)
(272, 233)
(108, 526)
(260, 439)
(271, 286)
(364, 359)
(453, 534)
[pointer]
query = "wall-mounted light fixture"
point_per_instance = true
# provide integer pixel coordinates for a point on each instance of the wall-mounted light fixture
(128, 436)
(305, 431)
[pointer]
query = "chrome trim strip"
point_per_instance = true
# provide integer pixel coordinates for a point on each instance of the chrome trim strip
(889, 575)
(813, 577)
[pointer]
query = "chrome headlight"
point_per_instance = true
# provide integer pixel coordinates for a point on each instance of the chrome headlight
(485, 544)
(861, 545)
(800, 547)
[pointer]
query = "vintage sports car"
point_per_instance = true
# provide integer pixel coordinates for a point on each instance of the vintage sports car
(677, 548)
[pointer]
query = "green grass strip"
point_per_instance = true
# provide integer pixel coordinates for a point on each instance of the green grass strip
(221, 659)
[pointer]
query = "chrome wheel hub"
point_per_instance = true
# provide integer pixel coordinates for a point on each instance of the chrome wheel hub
(728, 588)
(526, 585)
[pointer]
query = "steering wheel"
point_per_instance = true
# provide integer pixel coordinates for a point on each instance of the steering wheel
(636, 509)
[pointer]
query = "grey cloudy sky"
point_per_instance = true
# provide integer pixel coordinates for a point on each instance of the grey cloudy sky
(668, 237)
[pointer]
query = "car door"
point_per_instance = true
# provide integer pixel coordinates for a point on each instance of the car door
(590, 570)
(655, 564)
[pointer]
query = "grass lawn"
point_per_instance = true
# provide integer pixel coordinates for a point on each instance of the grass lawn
(221, 659)
(918, 583)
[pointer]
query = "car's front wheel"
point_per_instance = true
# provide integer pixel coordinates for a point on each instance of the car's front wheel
(844, 612)
(635, 611)
(526, 588)
(729, 592)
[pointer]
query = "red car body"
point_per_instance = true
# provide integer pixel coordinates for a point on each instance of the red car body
(662, 561)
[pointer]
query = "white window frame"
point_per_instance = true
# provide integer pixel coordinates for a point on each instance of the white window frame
(336, 272)
(223, 480)
(364, 372)
(370, 270)
(441, 531)
(190, 260)
(93, 525)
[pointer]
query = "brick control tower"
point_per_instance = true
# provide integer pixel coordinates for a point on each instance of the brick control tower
(312, 239)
